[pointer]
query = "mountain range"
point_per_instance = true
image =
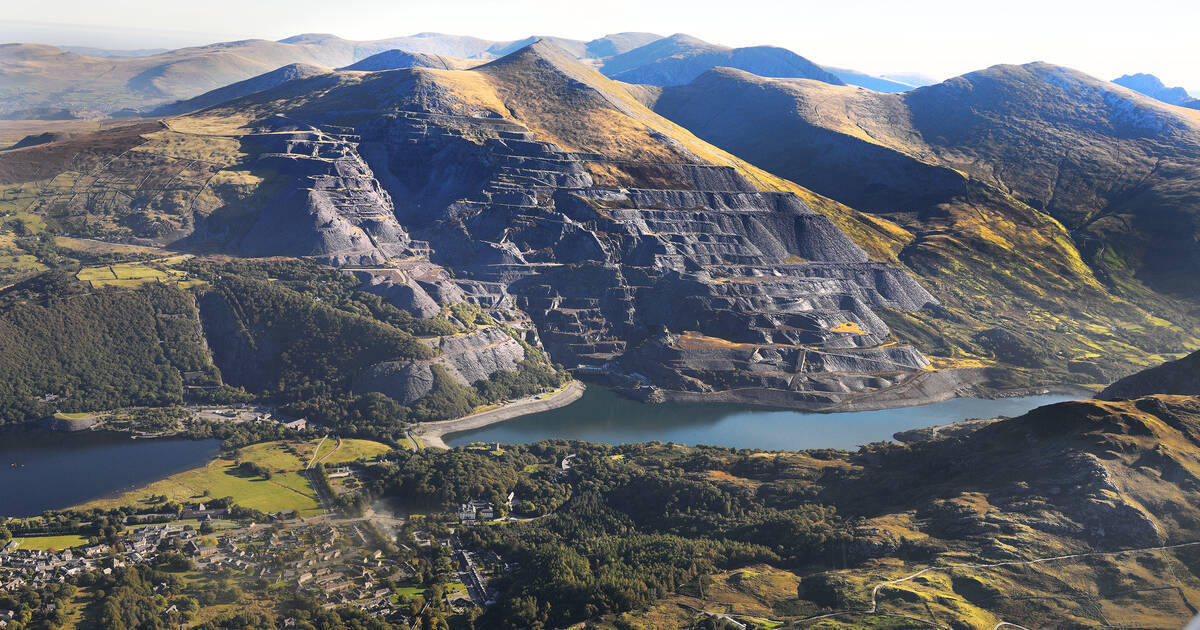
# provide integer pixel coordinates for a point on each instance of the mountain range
(812, 244)
(45, 82)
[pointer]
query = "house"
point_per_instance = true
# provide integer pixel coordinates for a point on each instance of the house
(474, 511)
(299, 425)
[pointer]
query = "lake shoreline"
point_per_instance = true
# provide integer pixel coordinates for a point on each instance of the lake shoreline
(924, 388)
(431, 433)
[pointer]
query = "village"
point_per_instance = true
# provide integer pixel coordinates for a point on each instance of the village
(339, 562)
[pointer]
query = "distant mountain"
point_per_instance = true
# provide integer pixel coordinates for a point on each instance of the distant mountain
(879, 84)
(911, 78)
(33, 75)
(1025, 191)
(109, 53)
(1180, 377)
(1153, 87)
(678, 59)
(601, 48)
(393, 59)
(259, 83)
(45, 82)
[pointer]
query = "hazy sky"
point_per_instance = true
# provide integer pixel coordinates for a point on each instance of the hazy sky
(937, 37)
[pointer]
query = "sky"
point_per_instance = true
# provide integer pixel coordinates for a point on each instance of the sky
(939, 38)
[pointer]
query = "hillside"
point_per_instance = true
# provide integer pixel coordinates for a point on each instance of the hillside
(1074, 515)
(678, 59)
(963, 167)
(1181, 377)
(626, 241)
(264, 81)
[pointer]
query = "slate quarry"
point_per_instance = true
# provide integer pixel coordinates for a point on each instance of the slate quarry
(654, 265)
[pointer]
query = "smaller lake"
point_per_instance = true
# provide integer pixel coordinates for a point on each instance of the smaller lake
(49, 470)
(603, 416)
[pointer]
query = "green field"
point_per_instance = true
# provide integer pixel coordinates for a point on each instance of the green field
(58, 543)
(287, 489)
(132, 274)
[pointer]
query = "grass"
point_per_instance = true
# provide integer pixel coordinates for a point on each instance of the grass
(411, 591)
(133, 274)
(58, 543)
(286, 490)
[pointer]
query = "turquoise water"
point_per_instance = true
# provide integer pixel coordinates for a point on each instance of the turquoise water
(603, 416)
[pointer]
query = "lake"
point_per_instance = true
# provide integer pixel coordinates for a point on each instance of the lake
(603, 416)
(48, 470)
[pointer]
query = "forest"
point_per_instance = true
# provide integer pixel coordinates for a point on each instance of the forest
(282, 331)
(625, 526)
(70, 349)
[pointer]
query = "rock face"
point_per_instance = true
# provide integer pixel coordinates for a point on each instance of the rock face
(326, 203)
(628, 242)
(1180, 377)
(467, 358)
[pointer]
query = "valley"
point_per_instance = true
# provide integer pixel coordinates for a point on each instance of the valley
(633, 332)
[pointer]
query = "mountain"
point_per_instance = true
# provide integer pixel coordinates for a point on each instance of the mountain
(1034, 190)
(879, 84)
(109, 53)
(601, 48)
(393, 59)
(680, 58)
(33, 75)
(1181, 377)
(634, 247)
(261, 82)
(1153, 87)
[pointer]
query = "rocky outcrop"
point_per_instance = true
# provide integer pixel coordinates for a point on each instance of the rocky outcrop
(468, 358)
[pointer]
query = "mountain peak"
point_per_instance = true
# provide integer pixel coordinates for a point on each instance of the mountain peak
(1153, 87)
(543, 54)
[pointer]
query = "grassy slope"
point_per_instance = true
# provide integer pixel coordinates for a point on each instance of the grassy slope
(286, 490)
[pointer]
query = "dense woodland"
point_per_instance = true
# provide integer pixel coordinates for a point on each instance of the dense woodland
(69, 348)
(625, 526)
(280, 330)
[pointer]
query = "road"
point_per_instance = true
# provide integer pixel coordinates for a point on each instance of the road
(430, 433)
